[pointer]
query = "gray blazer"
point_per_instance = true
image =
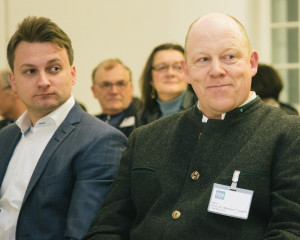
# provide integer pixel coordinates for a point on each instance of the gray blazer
(71, 179)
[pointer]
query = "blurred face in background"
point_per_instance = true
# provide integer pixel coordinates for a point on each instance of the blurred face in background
(168, 79)
(113, 88)
(6, 100)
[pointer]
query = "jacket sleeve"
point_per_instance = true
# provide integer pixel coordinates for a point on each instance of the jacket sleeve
(94, 170)
(114, 219)
(285, 187)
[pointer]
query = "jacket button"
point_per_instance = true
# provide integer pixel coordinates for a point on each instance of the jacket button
(176, 214)
(195, 175)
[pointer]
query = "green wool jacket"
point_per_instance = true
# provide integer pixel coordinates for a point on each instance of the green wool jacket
(156, 178)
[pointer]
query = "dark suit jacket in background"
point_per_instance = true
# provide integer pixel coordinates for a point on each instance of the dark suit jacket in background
(71, 178)
(156, 178)
(130, 112)
(5, 122)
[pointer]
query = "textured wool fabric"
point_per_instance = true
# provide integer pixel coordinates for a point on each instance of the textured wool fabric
(154, 178)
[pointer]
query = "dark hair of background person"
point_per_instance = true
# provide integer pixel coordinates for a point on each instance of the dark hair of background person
(38, 29)
(146, 77)
(267, 82)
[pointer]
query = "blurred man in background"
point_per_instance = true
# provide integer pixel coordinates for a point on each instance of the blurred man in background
(11, 107)
(112, 86)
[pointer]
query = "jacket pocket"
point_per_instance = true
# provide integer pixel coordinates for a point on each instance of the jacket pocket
(143, 169)
(145, 188)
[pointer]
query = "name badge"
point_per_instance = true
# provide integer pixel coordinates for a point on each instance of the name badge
(127, 122)
(230, 201)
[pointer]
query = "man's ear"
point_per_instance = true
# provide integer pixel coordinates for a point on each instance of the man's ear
(73, 73)
(12, 81)
(93, 91)
(185, 70)
(254, 62)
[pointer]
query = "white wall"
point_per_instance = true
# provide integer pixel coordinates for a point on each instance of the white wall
(3, 34)
(127, 29)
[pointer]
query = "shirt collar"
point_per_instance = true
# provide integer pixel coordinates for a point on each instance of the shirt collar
(56, 117)
(253, 96)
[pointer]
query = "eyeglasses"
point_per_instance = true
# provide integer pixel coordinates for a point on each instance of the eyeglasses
(165, 68)
(108, 85)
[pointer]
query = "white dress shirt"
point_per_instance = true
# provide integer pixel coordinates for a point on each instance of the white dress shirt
(23, 162)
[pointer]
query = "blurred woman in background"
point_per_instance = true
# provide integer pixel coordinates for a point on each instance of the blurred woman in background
(163, 85)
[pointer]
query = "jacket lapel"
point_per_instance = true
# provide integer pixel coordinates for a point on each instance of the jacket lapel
(12, 138)
(59, 136)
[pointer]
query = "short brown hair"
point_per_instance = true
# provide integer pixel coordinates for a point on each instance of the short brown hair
(38, 29)
(109, 64)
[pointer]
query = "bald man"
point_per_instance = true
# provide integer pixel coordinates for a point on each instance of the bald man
(227, 168)
(11, 107)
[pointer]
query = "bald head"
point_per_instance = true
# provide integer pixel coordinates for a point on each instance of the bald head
(216, 23)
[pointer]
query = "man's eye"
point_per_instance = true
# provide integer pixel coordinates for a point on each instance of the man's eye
(29, 71)
(120, 84)
(229, 57)
(105, 85)
(204, 59)
(54, 69)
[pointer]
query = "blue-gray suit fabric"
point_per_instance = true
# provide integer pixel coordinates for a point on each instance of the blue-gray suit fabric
(71, 178)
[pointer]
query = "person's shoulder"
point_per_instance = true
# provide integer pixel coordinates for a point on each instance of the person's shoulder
(133, 108)
(9, 131)
(281, 121)
(190, 99)
(93, 124)
(166, 123)
(145, 116)
(288, 108)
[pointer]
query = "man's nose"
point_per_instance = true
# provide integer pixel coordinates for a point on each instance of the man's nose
(43, 80)
(114, 88)
(217, 68)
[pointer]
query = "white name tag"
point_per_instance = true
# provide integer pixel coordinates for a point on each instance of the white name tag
(128, 122)
(230, 203)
